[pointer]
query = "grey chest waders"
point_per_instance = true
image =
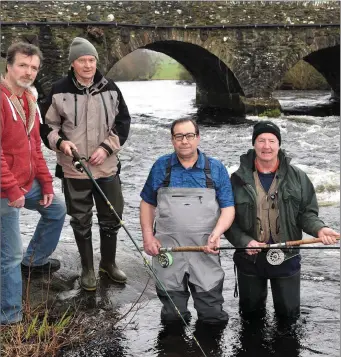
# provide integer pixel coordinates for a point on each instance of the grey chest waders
(187, 216)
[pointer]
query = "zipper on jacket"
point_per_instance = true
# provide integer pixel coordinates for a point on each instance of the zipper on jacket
(30, 149)
(75, 95)
(105, 110)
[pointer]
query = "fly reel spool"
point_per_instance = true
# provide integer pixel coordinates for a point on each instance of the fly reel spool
(165, 259)
(275, 256)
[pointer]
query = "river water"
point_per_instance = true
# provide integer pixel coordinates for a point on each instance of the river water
(314, 145)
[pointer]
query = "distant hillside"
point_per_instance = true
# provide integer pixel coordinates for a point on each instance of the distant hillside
(148, 65)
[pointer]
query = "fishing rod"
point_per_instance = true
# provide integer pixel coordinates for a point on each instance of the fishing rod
(286, 245)
(79, 165)
(275, 254)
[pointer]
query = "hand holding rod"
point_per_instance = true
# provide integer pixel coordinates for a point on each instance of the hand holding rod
(304, 241)
(77, 161)
(76, 156)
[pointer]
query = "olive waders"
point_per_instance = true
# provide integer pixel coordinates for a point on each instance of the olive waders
(79, 196)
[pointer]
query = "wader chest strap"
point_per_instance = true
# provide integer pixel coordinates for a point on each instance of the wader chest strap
(207, 171)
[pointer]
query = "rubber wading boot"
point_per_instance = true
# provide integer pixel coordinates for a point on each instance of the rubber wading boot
(108, 255)
(88, 278)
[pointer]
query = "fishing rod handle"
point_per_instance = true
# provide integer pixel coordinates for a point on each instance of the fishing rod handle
(76, 155)
(183, 249)
(304, 241)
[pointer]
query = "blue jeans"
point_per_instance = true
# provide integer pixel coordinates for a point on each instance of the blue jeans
(41, 246)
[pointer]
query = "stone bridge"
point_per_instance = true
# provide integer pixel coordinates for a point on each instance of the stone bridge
(237, 51)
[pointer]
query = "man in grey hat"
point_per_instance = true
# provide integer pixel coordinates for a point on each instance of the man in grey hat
(86, 112)
(275, 201)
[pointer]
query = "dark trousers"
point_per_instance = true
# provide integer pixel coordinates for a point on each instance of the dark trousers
(79, 199)
(253, 275)
(253, 292)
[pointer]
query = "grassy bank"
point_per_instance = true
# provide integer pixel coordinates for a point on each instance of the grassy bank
(42, 333)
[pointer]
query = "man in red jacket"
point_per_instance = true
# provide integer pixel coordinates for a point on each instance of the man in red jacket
(25, 181)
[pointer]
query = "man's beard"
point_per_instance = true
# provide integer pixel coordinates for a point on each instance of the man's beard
(23, 84)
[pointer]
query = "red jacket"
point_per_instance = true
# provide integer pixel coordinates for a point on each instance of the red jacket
(21, 158)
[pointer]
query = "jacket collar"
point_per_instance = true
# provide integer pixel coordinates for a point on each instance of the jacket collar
(99, 81)
(247, 166)
(30, 94)
(200, 164)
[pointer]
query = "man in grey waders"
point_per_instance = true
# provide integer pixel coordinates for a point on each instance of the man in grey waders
(86, 112)
(275, 201)
(189, 197)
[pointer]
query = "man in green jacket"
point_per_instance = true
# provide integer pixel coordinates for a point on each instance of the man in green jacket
(274, 201)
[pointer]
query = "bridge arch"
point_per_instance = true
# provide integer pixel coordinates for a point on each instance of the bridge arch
(322, 52)
(215, 83)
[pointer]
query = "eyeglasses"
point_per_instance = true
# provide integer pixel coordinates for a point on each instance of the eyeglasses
(180, 137)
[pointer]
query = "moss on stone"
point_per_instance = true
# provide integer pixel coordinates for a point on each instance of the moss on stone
(271, 113)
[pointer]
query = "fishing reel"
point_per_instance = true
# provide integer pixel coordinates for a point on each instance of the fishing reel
(77, 165)
(165, 259)
(76, 160)
(275, 256)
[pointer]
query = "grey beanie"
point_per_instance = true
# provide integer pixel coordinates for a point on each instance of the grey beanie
(81, 47)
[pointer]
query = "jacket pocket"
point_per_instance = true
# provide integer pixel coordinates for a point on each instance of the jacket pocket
(292, 200)
(244, 214)
(9, 160)
(71, 111)
(110, 108)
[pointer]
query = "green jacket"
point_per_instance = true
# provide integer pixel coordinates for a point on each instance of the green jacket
(298, 208)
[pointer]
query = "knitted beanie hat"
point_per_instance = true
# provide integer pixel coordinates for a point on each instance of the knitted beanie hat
(81, 47)
(266, 126)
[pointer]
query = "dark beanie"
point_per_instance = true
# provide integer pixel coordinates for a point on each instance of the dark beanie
(266, 126)
(81, 47)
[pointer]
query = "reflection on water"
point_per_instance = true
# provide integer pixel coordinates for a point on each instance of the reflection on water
(263, 337)
(174, 340)
(243, 337)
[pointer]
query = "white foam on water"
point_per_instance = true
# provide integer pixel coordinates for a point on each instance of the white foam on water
(314, 278)
(232, 168)
(326, 183)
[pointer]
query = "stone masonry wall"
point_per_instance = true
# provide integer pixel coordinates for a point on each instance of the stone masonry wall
(175, 12)
(257, 57)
